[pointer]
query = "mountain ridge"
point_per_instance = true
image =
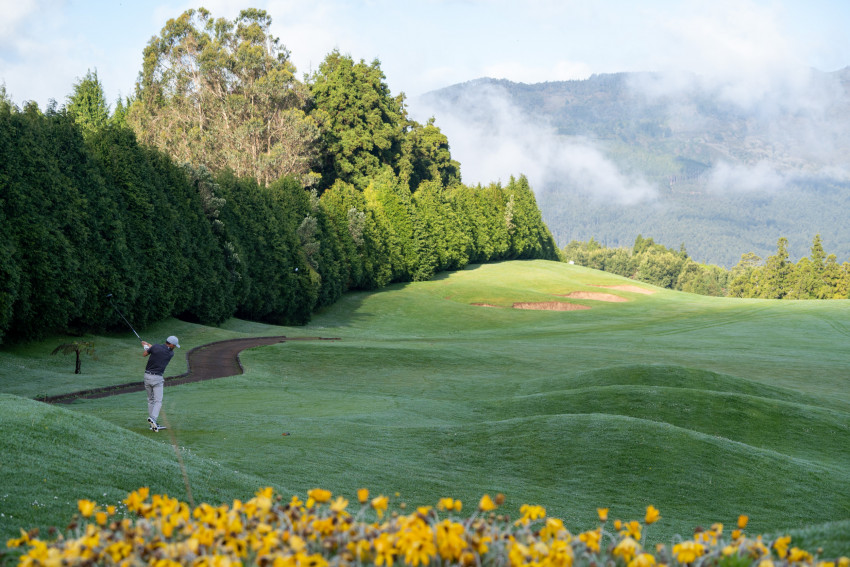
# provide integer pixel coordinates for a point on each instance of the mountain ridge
(718, 170)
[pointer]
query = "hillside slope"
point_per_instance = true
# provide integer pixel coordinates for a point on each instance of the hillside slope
(619, 155)
(705, 407)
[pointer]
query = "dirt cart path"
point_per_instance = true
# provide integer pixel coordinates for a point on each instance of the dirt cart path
(214, 360)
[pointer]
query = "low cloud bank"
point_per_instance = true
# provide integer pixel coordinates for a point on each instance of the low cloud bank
(493, 140)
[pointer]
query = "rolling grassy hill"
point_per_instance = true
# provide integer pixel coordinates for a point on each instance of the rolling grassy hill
(705, 407)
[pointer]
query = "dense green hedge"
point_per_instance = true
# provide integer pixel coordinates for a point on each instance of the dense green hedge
(83, 217)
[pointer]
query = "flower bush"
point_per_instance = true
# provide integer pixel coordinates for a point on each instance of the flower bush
(322, 532)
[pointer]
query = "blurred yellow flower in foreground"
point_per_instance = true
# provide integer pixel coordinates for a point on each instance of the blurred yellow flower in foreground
(86, 507)
(652, 514)
(688, 551)
(486, 504)
(363, 495)
(380, 504)
(270, 532)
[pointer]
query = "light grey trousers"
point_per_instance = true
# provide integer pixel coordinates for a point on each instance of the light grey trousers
(153, 386)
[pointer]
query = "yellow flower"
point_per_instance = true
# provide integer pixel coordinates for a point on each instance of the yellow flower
(560, 554)
(419, 551)
(25, 538)
(555, 529)
(315, 560)
(486, 504)
(688, 551)
(631, 529)
(135, 500)
(363, 495)
(119, 550)
(652, 514)
(324, 527)
(450, 540)
(797, 555)
(627, 549)
(339, 505)
(479, 543)
(385, 551)
(86, 507)
(591, 539)
(781, 546)
(297, 544)
(518, 554)
(643, 560)
(319, 495)
(359, 548)
(380, 504)
(742, 521)
(530, 513)
(603, 514)
(844, 561)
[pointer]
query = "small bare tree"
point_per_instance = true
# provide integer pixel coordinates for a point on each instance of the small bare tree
(77, 347)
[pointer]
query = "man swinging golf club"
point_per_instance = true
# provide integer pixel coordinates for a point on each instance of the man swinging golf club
(159, 355)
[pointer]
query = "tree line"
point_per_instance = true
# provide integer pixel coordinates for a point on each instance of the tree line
(818, 276)
(202, 209)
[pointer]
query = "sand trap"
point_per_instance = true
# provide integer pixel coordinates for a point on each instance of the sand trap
(486, 305)
(550, 306)
(632, 288)
(595, 296)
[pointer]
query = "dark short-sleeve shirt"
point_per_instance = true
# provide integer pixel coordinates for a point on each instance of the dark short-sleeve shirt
(158, 358)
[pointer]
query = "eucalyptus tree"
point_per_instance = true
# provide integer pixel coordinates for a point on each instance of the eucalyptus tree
(223, 94)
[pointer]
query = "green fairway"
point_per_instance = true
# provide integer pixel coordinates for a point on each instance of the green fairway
(705, 407)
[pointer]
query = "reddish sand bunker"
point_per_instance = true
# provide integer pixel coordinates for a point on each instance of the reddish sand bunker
(632, 288)
(595, 296)
(550, 306)
(486, 305)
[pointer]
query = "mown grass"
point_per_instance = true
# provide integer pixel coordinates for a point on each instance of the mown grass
(705, 407)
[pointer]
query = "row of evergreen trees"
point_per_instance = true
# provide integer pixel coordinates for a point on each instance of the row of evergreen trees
(818, 276)
(225, 186)
(84, 214)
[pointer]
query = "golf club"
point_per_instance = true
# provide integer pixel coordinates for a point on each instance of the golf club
(109, 295)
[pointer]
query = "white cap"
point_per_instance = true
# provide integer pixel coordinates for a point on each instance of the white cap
(173, 340)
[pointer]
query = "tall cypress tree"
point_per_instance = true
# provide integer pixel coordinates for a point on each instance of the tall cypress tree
(87, 104)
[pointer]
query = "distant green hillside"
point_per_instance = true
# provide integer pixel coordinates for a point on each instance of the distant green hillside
(728, 178)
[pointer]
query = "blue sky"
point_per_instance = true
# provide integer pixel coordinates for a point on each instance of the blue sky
(47, 45)
(754, 53)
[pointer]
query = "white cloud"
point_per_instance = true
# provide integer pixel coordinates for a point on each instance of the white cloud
(493, 140)
(738, 178)
(17, 16)
(738, 48)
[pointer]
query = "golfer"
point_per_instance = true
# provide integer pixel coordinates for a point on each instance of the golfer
(158, 358)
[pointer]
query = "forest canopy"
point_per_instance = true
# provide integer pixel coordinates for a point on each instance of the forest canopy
(226, 187)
